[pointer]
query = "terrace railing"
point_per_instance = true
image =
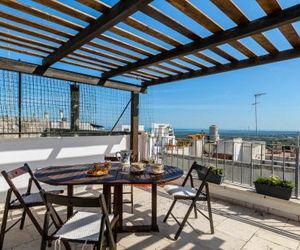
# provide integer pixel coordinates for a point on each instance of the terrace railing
(241, 162)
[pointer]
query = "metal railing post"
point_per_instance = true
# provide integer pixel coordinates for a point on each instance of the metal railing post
(216, 154)
(177, 159)
(183, 165)
(242, 156)
(202, 152)
(261, 160)
(297, 173)
(283, 163)
(209, 154)
(232, 162)
(189, 156)
(272, 159)
(172, 156)
(163, 156)
(224, 155)
(251, 165)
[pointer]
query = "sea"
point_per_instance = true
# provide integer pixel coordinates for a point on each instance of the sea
(232, 133)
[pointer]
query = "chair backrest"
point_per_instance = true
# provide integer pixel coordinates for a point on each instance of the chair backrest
(199, 169)
(64, 200)
(16, 172)
(10, 175)
(51, 199)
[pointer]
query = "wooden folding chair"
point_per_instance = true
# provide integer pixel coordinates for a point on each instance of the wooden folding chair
(127, 193)
(190, 193)
(22, 201)
(83, 227)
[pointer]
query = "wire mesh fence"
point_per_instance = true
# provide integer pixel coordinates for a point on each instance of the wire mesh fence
(101, 107)
(33, 106)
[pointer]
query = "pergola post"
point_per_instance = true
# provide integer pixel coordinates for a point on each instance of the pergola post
(20, 103)
(74, 108)
(134, 132)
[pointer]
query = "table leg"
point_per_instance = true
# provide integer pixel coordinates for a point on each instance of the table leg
(70, 208)
(118, 206)
(154, 225)
(107, 196)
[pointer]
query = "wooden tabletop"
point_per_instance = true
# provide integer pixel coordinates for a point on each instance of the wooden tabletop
(77, 175)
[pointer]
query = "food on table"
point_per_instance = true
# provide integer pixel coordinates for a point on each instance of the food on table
(100, 168)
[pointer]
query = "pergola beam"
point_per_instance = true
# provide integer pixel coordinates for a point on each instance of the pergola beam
(286, 16)
(119, 12)
(265, 59)
(29, 68)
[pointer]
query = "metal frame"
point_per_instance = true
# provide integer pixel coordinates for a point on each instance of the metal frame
(200, 196)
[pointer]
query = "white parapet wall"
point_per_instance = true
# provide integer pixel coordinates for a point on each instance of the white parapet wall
(249, 198)
(50, 151)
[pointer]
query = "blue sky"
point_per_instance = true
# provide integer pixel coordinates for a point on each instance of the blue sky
(223, 99)
(226, 99)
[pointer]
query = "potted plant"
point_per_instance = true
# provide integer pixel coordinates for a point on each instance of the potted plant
(216, 175)
(274, 186)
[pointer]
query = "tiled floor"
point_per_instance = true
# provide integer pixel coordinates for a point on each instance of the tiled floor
(235, 228)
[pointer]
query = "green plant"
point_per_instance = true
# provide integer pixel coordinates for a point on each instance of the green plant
(274, 181)
(217, 171)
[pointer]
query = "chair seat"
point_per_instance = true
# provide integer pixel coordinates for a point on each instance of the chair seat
(83, 226)
(180, 191)
(33, 199)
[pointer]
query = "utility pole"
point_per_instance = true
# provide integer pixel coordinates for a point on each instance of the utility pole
(255, 107)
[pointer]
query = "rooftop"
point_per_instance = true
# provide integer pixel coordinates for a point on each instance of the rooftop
(236, 227)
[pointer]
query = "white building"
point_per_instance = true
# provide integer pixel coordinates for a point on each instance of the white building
(127, 128)
(161, 135)
(240, 150)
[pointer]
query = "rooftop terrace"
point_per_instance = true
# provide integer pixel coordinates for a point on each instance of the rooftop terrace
(236, 227)
(130, 46)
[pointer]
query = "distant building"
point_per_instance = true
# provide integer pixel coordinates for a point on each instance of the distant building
(127, 128)
(240, 150)
(161, 136)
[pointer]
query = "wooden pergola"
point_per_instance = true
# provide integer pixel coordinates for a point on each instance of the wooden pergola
(152, 63)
